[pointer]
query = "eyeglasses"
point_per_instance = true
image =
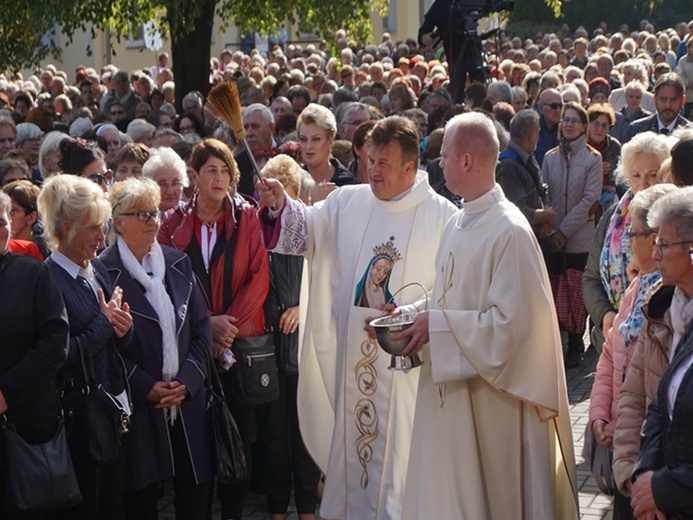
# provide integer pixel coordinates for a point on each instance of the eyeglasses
(661, 248)
(599, 126)
(163, 186)
(100, 178)
(554, 106)
(571, 121)
(117, 112)
(15, 210)
(634, 234)
(143, 216)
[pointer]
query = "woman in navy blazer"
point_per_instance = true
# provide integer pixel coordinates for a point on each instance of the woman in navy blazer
(75, 210)
(166, 362)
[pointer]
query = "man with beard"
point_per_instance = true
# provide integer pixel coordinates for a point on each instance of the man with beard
(669, 98)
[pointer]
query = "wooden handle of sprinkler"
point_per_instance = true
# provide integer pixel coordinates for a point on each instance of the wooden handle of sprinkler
(252, 161)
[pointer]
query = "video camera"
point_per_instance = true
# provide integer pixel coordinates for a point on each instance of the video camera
(483, 7)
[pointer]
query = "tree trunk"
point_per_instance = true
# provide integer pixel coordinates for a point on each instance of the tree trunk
(191, 53)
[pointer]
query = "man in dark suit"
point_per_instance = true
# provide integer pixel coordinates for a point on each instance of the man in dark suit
(669, 98)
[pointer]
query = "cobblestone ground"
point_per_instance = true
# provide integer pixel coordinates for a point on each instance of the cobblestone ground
(593, 505)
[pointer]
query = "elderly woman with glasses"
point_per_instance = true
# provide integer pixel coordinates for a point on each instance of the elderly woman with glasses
(573, 171)
(166, 361)
(622, 337)
(168, 170)
(606, 276)
(75, 211)
(662, 479)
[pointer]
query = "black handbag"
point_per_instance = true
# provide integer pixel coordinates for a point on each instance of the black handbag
(98, 420)
(38, 477)
(227, 446)
(599, 459)
(254, 378)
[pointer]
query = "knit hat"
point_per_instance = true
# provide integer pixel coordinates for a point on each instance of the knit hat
(598, 85)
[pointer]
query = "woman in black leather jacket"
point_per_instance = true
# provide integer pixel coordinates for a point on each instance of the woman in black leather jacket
(286, 458)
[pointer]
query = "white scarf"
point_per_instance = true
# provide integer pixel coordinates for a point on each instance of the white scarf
(681, 312)
(156, 294)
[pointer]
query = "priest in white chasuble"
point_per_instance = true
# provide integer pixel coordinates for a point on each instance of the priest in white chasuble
(492, 437)
(362, 244)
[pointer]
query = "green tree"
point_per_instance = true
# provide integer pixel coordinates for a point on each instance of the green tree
(27, 26)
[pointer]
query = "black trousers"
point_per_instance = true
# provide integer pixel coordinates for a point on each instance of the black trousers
(287, 462)
(232, 496)
(190, 502)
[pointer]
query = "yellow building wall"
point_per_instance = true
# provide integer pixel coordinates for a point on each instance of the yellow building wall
(408, 15)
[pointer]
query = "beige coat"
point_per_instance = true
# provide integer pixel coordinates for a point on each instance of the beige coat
(650, 360)
(575, 185)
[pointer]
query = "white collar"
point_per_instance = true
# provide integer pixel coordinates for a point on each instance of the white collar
(73, 269)
(661, 125)
(484, 202)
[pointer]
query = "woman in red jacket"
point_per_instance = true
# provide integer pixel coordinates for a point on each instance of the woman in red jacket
(221, 235)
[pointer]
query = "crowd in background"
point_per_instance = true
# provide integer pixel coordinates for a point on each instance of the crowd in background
(593, 128)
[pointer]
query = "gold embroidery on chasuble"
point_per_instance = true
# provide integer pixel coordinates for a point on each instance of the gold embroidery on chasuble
(365, 411)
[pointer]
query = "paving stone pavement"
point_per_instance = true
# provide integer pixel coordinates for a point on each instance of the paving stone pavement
(593, 505)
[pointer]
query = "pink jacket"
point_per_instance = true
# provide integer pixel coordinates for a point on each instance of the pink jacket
(611, 367)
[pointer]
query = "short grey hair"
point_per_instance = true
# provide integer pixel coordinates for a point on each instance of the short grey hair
(519, 93)
(522, 122)
(676, 208)
(165, 131)
(192, 96)
(26, 131)
(639, 207)
(644, 142)
(351, 107)
(502, 90)
(138, 128)
(165, 158)
(267, 115)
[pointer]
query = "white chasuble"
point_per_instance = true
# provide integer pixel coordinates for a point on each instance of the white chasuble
(356, 415)
(492, 437)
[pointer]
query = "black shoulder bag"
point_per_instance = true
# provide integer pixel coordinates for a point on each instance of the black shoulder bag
(254, 377)
(38, 477)
(227, 446)
(98, 419)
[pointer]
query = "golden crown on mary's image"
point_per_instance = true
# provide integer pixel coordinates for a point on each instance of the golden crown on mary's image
(388, 249)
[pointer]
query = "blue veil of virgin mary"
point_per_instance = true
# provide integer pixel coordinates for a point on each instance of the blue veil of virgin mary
(386, 251)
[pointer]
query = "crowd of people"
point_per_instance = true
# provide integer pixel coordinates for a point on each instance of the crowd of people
(554, 198)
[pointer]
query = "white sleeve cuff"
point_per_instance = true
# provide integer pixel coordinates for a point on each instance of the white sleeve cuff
(448, 363)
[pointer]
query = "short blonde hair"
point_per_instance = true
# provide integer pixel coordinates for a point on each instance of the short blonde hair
(319, 115)
(68, 197)
(132, 193)
(285, 170)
